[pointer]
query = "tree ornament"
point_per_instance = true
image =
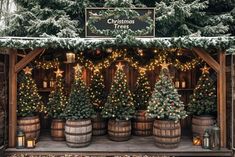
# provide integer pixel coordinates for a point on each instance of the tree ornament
(28, 70)
(205, 70)
(58, 73)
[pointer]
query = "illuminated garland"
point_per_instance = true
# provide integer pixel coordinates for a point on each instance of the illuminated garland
(47, 64)
(129, 13)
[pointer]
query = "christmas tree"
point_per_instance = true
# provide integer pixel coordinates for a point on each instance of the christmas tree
(165, 102)
(57, 99)
(119, 103)
(28, 98)
(203, 100)
(142, 91)
(97, 90)
(79, 105)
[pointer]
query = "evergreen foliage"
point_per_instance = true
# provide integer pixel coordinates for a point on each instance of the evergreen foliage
(165, 101)
(29, 100)
(142, 91)
(57, 99)
(203, 100)
(97, 91)
(79, 105)
(119, 103)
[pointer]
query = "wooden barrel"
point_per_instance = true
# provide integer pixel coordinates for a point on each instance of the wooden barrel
(201, 123)
(57, 129)
(30, 126)
(167, 133)
(119, 130)
(2, 128)
(78, 132)
(142, 125)
(99, 126)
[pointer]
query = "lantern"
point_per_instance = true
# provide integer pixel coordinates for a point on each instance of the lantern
(183, 84)
(215, 138)
(30, 143)
(177, 83)
(206, 140)
(45, 82)
(197, 141)
(52, 82)
(70, 57)
(20, 139)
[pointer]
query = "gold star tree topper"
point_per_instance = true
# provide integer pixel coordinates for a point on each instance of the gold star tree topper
(119, 66)
(205, 69)
(142, 70)
(28, 70)
(77, 68)
(164, 65)
(58, 73)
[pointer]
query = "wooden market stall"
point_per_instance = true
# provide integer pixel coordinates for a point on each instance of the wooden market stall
(203, 47)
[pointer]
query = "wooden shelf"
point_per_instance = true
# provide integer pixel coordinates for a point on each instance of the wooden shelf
(46, 90)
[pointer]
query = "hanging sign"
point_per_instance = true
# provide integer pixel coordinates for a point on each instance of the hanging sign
(111, 22)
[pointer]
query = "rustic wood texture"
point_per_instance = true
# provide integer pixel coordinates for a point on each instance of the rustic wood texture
(142, 125)
(119, 130)
(78, 133)
(12, 98)
(167, 133)
(99, 125)
(30, 126)
(57, 129)
(201, 123)
(102, 146)
(2, 128)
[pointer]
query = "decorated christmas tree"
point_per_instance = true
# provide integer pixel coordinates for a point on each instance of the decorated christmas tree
(142, 91)
(29, 100)
(203, 100)
(57, 99)
(119, 103)
(79, 105)
(97, 90)
(165, 101)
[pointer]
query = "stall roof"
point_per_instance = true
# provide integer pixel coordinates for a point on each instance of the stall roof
(219, 43)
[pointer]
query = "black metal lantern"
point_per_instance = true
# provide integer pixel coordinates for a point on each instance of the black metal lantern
(215, 138)
(20, 139)
(206, 140)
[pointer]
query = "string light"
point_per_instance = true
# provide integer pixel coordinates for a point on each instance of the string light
(47, 64)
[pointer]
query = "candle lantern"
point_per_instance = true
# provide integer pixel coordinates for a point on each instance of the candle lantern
(70, 57)
(197, 141)
(206, 140)
(20, 139)
(215, 138)
(45, 82)
(30, 143)
(52, 82)
(177, 83)
(183, 84)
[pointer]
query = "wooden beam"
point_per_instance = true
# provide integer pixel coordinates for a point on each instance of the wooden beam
(207, 58)
(221, 97)
(27, 59)
(12, 98)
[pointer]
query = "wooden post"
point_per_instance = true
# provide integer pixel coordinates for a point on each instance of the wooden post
(220, 68)
(221, 99)
(12, 98)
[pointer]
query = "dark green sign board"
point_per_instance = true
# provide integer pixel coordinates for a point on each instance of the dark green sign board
(110, 22)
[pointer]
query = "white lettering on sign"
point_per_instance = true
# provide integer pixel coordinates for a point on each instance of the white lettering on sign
(121, 24)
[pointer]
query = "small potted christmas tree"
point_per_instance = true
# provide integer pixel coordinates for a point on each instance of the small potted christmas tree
(119, 107)
(166, 107)
(28, 104)
(202, 104)
(78, 112)
(97, 96)
(141, 124)
(56, 106)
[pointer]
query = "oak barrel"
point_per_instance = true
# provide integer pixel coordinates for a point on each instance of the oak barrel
(167, 133)
(119, 130)
(30, 126)
(2, 122)
(78, 132)
(99, 125)
(142, 125)
(57, 129)
(201, 123)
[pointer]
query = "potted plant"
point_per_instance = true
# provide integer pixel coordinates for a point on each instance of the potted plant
(202, 104)
(97, 97)
(27, 106)
(78, 112)
(166, 107)
(119, 107)
(142, 125)
(56, 106)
